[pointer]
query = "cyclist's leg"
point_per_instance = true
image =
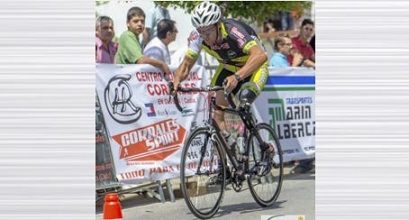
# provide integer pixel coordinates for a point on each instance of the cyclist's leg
(217, 80)
(250, 89)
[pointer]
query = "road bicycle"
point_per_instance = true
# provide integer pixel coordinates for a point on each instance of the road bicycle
(204, 172)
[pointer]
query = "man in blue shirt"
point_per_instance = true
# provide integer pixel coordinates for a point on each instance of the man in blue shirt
(283, 46)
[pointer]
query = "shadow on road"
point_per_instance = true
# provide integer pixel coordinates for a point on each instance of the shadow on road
(300, 176)
(245, 208)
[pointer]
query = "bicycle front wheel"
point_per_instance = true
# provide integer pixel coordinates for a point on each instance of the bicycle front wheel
(265, 184)
(202, 174)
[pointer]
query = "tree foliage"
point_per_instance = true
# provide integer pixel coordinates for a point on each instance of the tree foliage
(254, 11)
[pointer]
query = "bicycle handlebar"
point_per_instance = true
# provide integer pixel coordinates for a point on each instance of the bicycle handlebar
(227, 95)
(185, 90)
(202, 89)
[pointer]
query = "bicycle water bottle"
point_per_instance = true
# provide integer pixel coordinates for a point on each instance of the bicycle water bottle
(240, 144)
(240, 139)
(229, 139)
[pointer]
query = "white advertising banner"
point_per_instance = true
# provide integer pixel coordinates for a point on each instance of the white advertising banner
(146, 130)
(287, 103)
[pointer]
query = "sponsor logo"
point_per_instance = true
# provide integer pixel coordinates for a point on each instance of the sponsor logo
(291, 121)
(237, 33)
(224, 46)
(231, 54)
(153, 142)
(241, 43)
(187, 112)
(150, 109)
(276, 110)
(117, 95)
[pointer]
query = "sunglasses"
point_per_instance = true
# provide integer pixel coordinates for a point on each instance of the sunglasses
(207, 32)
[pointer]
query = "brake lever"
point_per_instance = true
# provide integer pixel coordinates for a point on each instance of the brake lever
(171, 89)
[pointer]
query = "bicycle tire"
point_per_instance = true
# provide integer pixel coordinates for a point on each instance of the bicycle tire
(204, 199)
(266, 188)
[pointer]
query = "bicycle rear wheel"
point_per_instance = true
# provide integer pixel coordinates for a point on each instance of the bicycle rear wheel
(265, 185)
(202, 174)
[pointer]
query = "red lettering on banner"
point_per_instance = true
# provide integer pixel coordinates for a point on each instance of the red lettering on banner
(212, 167)
(194, 76)
(192, 165)
(188, 100)
(157, 89)
(139, 163)
(149, 76)
(133, 174)
(164, 169)
(153, 142)
(189, 85)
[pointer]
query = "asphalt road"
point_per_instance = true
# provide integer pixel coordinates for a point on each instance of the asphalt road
(297, 198)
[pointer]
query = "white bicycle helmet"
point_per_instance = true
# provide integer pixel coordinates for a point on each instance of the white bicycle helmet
(206, 14)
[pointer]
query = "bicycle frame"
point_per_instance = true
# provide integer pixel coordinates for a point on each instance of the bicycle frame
(261, 181)
(244, 113)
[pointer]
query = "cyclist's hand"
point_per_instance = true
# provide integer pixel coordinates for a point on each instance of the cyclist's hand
(230, 83)
(172, 87)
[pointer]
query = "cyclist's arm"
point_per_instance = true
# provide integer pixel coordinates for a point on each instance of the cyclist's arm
(192, 54)
(183, 70)
(256, 59)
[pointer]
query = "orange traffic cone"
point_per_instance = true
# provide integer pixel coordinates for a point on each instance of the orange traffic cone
(112, 207)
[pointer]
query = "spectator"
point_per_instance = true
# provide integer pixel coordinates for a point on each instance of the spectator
(154, 16)
(302, 43)
(130, 50)
(286, 20)
(283, 46)
(105, 49)
(157, 48)
(268, 26)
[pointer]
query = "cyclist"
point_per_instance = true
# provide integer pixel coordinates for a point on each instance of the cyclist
(243, 67)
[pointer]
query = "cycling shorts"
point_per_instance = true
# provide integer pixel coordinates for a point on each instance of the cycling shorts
(259, 77)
